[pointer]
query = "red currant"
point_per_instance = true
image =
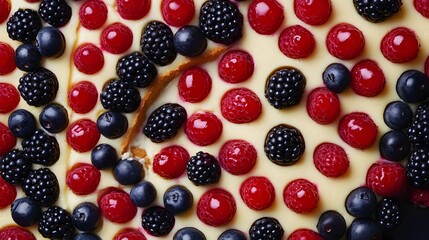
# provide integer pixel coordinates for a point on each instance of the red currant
(116, 38)
(133, 9)
(8, 192)
(304, 234)
(422, 6)
(83, 178)
(315, 12)
(265, 16)
(7, 139)
(203, 128)
(216, 207)
(330, 159)
(358, 130)
(345, 41)
(82, 97)
(116, 206)
(236, 66)
(129, 234)
(240, 105)
(4, 10)
(400, 45)
(170, 162)
(386, 179)
(194, 85)
(177, 13)
(88, 58)
(301, 196)
(296, 42)
(83, 135)
(367, 78)
(323, 106)
(16, 233)
(237, 156)
(93, 14)
(9, 97)
(7, 59)
(257, 193)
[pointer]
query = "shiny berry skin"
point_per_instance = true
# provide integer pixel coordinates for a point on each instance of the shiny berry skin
(9, 97)
(86, 216)
(170, 162)
(83, 178)
(86, 236)
(27, 57)
(117, 206)
(257, 193)
(128, 171)
(112, 125)
(323, 106)
(413, 86)
(194, 85)
(143, 194)
(83, 135)
(361, 202)
(237, 156)
(25, 211)
(50, 41)
(7, 139)
(5, 7)
(358, 130)
(104, 156)
(16, 233)
(296, 42)
(129, 234)
(265, 16)
(331, 225)
(177, 13)
(422, 6)
(178, 199)
(364, 228)
(203, 128)
(386, 179)
(304, 234)
(22, 123)
(190, 41)
(397, 115)
(345, 41)
(394, 146)
(8, 193)
(301, 196)
(367, 78)
(236, 66)
(116, 38)
(315, 12)
(93, 14)
(7, 55)
(400, 45)
(337, 77)
(133, 9)
(54, 118)
(217, 214)
(88, 58)
(189, 233)
(240, 105)
(232, 234)
(330, 159)
(82, 97)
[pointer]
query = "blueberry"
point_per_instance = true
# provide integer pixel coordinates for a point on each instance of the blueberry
(189, 233)
(104, 156)
(331, 225)
(128, 171)
(337, 77)
(54, 118)
(143, 194)
(394, 146)
(178, 199)
(27, 57)
(86, 216)
(86, 236)
(232, 234)
(50, 41)
(398, 115)
(190, 41)
(22, 123)
(364, 229)
(361, 202)
(25, 211)
(413, 86)
(112, 124)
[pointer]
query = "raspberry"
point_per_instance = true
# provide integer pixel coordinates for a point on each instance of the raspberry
(386, 179)
(82, 97)
(7, 56)
(83, 135)
(170, 162)
(133, 9)
(420, 197)
(296, 42)
(129, 234)
(345, 41)
(4, 10)
(358, 130)
(236, 66)
(7, 139)
(367, 78)
(177, 13)
(203, 128)
(9, 97)
(400, 45)
(83, 178)
(8, 193)
(240, 105)
(422, 6)
(116, 206)
(315, 12)
(88, 58)
(304, 234)
(323, 106)
(268, 20)
(301, 196)
(330, 159)
(116, 38)
(16, 233)
(217, 214)
(257, 193)
(93, 14)
(237, 156)
(194, 85)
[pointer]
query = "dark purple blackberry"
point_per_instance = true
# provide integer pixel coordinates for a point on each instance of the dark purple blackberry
(55, 12)
(157, 221)
(136, 69)
(120, 96)
(15, 167)
(42, 186)
(221, 21)
(164, 122)
(24, 25)
(418, 132)
(41, 148)
(377, 10)
(157, 43)
(284, 145)
(203, 169)
(418, 168)
(39, 87)
(56, 223)
(266, 228)
(388, 213)
(284, 87)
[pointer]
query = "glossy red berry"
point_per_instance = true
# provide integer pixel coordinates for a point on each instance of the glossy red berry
(240, 105)
(345, 41)
(177, 13)
(116, 206)
(82, 97)
(257, 193)
(7, 59)
(216, 207)
(83, 135)
(203, 128)
(330, 159)
(8, 192)
(170, 162)
(265, 16)
(116, 38)
(16, 233)
(237, 156)
(9, 97)
(367, 78)
(304, 234)
(93, 14)
(386, 179)
(194, 85)
(400, 45)
(129, 234)
(315, 12)
(323, 106)
(422, 6)
(301, 196)
(419, 197)
(133, 9)
(88, 58)
(358, 130)
(83, 178)
(7, 139)
(4, 10)
(296, 42)
(236, 66)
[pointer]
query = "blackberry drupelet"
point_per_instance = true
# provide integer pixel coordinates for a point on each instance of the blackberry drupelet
(164, 122)
(136, 69)
(418, 132)
(388, 213)
(284, 87)
(266, 228)
(41, 148)
(157, 221)
(418, 168)
(24, 25)
(15, 167)
(55, 12)
(203, 169)
(56, 223)
(284, 145)
(377, 10)
(39, 87)
(120, 96)
(221, 21)
(42, 186)
(157, 43)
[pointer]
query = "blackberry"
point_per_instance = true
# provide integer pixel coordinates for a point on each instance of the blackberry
(56, 223)
(42, 186)
(221, 21)
(136, 69)
(55, 12)
(157, 221)
(164, 122)
(266, 228)
(203, 169)
(377, 10)
(388, 213)
(418, 132)
(284, 87)
(39, 87)
(24, 25)
(284, 145)
(120, 96)
(15, 167)
(157, 43)
(41, 148)
(418, 168)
